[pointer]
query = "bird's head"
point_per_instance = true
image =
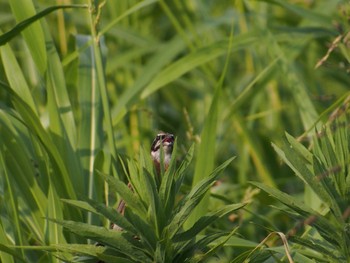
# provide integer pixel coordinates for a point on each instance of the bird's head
(165, 140)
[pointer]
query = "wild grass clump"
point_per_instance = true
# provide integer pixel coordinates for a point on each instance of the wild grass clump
(87, 84)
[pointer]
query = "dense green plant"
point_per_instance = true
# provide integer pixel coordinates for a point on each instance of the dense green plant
(325, 171)
(153, 225)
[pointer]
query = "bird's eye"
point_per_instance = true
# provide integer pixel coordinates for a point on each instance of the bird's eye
(158, 137)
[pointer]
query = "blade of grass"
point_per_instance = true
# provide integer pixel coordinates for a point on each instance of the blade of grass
(6, 37)
(187, 205)
(205, 221)
(90, 133)
(116, 239)
(13, 204)
(101, 81)
(162, 57)
(206, 149)
(329, 231)
(63, 181)
(15, 76)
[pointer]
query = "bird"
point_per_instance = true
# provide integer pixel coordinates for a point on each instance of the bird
(165, 140)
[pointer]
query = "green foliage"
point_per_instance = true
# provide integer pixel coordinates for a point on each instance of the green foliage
(325, 170)
(153, 222)
(83, 85)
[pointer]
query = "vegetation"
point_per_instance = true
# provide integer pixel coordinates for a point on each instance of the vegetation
(86, 85)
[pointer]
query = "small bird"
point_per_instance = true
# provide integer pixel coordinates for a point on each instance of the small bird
(164, 139)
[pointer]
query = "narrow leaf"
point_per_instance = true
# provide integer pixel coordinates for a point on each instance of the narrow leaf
(116, 239)
(4, 38)
(205, 221)
(193, 198)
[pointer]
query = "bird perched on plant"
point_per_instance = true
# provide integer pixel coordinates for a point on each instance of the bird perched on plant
(164, 140)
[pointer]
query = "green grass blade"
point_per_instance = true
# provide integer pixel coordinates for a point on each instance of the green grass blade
(167, 187)
(54, 232)
(126, 194)
(90, 132)
(33, 34)
(62, 182)
(303, 12)
(106, 254)
(116, 239)
(162, 57)
(137, 7)
(15, 76)
(22, 176)
(245, 96)
(329, 231)
(298, 165)
(182, 168)
(97, 45)
(13, 204)
(206, 151)
(191, 200)
(4, 38)
(9, 255)
(100, 209)
(205, 221)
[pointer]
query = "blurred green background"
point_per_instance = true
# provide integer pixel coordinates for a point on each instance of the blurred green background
(157, 67)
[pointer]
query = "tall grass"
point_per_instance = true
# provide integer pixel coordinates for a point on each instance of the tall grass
(85, 84)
